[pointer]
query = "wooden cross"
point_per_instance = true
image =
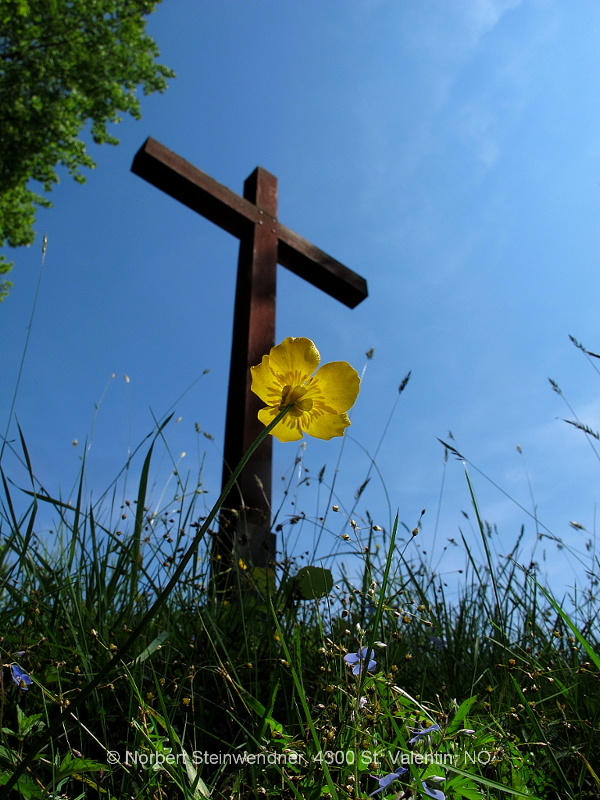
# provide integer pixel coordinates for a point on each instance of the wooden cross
(264, 242)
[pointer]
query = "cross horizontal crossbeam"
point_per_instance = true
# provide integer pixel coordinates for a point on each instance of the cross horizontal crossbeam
(203, 194)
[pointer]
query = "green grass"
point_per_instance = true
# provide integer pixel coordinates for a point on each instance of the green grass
(145, 684)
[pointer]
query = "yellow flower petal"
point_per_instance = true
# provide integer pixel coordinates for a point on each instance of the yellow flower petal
(338, 384)
(265, 384)
(288, 430)
(326, 426)
(294, 360)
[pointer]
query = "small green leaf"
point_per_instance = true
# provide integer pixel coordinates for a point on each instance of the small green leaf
(28, 724)
(313, 582)
(71, 765)
(461, 713)
(464, 788)
(25, 785)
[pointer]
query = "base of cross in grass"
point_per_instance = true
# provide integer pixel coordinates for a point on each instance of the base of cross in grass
(244, 532)
(243, 554)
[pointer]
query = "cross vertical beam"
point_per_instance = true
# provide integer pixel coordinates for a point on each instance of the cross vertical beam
(253, 337)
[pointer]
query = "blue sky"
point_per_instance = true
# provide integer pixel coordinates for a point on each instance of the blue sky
(447, 152)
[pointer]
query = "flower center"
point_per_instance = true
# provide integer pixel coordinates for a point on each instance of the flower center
(292, 396)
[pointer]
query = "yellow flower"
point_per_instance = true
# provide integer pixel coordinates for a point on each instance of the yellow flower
(319, 403)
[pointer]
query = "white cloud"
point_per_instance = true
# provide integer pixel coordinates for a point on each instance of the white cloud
(484, 15)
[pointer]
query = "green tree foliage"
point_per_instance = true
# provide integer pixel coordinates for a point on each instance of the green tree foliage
(62, 63)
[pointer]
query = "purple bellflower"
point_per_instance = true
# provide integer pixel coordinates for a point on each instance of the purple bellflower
(419, 733)
(385, 781)
(358, 660)
(20, 677)
(437, 794)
